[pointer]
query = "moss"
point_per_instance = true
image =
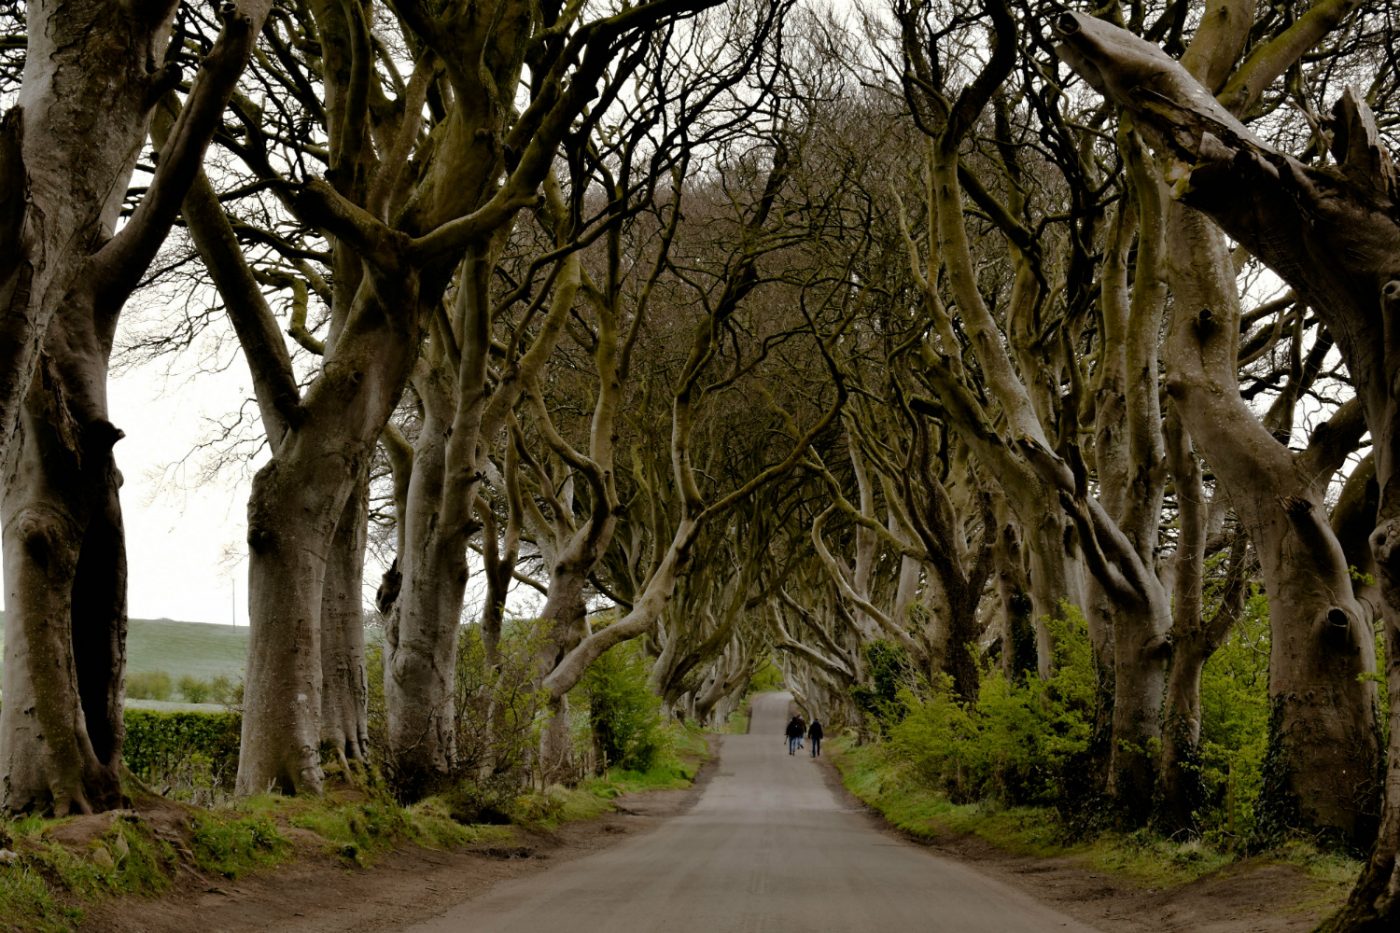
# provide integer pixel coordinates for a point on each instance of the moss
(232, 845)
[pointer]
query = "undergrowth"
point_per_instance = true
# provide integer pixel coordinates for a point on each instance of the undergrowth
(878, 775)
(62, 865)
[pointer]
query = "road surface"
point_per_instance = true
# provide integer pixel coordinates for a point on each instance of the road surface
(768, 848)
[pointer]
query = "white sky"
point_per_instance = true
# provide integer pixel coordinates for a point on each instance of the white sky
(186, 534)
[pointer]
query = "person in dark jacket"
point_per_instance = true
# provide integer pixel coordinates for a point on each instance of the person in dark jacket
(814, 732)
(795, 728)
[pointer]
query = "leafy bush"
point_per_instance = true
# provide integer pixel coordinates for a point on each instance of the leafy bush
(1235, 726)
(149, 685)
(891, 677)
(497, 707)
(188, 755)
(625, 716)
(1019, 743)
(193, 689)
(225, 690)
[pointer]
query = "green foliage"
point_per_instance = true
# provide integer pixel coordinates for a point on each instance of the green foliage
(767, 676)
(191, 756)
(625, 716)
(193, 689)
(880, 778)
(890, 674)
(556, 804)
(1017, 743)
(149, 685)
(231, 845)
(1235, 727)
(497, 719)
(498, 707)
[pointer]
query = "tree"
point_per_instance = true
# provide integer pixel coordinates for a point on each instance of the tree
(1339, 258)
(68, 153)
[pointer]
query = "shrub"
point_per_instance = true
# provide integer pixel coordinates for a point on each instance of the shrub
(624, 715)
(188, 755)
(194, 690)
(1019, 743)
(149, 685)
(891, 676)
(225, 690)
(497, 706)
(1235, 726)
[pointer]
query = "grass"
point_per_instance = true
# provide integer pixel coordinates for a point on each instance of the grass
(181, 649)
(1141, 857)
(45, 889)
(28, 903)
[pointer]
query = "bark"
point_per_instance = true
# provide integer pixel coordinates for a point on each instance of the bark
(90, 83)
(1194, 639)
(65, 570)
(93, 75)
(420, 647)
(1324, 750)
(295, 506)
(486, 162)
(463, 413)
(344, 684)
(69, 148)
(1341, 251)
(1019, 655)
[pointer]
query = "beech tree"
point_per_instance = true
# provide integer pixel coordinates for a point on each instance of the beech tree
(69, 151)
(1339, 255)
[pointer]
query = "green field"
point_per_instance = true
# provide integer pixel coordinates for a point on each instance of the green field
(183, 648)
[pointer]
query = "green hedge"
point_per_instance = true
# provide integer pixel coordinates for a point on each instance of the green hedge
(183, 750)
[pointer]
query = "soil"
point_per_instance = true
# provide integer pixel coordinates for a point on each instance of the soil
(321, 893)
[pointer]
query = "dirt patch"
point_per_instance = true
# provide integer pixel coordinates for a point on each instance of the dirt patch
(1252, 896)
(320, 893)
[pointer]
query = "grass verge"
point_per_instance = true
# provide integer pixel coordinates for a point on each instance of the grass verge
(51, 869)
(1141, 858)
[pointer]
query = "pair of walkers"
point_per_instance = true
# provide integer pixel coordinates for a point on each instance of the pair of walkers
(796, 729)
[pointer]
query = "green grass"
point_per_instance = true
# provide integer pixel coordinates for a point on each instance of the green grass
(181, 649)
(27, 903)
(1140, 857)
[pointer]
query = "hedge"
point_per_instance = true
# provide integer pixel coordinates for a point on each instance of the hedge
(180, 748)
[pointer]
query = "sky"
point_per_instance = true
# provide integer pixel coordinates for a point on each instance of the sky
(186, 531)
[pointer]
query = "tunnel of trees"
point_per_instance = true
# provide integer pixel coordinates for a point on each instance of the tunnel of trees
(927, 350)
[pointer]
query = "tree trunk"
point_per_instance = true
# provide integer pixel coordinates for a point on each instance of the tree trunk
(67, 151)
(344, 686)
(420, 655)
(1194, 638)
(292, 513)
(1320, 772)
(296, 503)
(65, 570)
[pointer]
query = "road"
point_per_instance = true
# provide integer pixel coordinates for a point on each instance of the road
(768, 848)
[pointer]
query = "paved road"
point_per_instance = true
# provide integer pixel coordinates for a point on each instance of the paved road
(768, 848)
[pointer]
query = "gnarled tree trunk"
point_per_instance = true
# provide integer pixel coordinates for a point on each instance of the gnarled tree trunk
(65, 571)
(344, 683)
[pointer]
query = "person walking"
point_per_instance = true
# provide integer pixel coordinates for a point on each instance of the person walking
(814, 733)
(794, 734)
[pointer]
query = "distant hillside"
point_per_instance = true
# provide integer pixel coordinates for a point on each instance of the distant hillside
(180, 648)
